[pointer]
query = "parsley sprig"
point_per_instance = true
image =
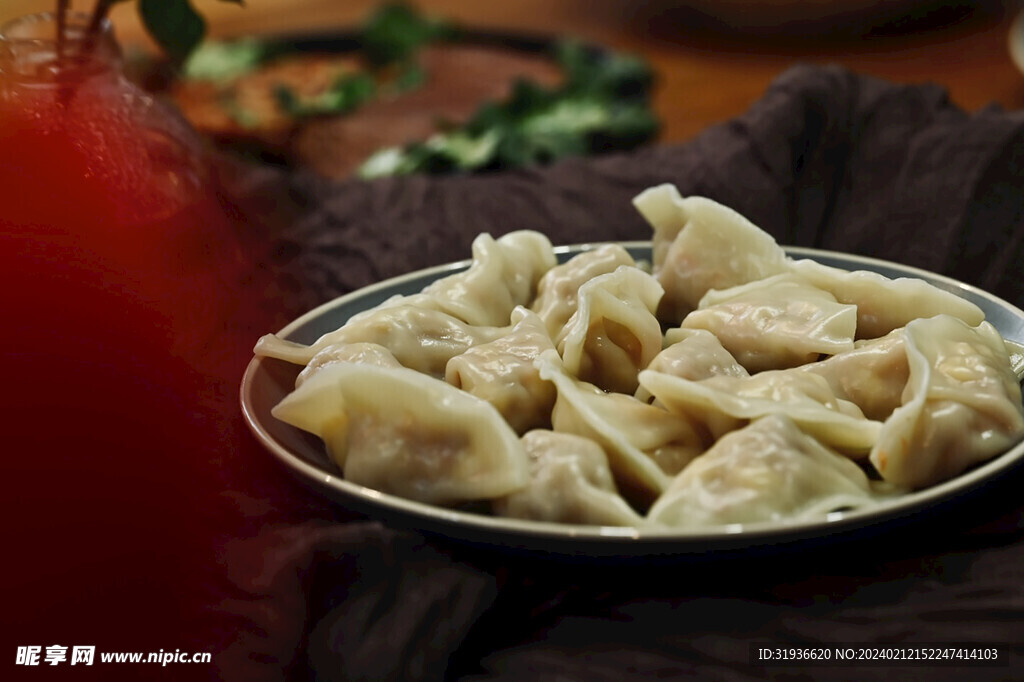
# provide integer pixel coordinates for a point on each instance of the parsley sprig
(390, 41)
(601, 106)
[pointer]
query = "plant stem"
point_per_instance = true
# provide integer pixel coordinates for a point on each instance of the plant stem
(88, 42)
(99, 13)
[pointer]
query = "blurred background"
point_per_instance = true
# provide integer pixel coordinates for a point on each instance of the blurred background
(713, 58)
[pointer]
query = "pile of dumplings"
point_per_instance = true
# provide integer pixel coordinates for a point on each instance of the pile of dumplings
(723, 383)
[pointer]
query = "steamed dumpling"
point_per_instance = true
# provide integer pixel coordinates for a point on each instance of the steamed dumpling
(553, 393)
(420, 338)
(726, 403)
(775, 323)
(614, 333)
(358, 353)
(503, 373)
(768, 471)
(885, 304)
(425, 330)
(504, 274)
(401, 432)
(872, 376)
(695, 354)
(961, 406)
(570, 482)
(699, 245)
(558, 288)
(692, 354)
(645, 444)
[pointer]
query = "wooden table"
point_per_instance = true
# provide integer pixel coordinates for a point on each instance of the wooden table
(706, 76)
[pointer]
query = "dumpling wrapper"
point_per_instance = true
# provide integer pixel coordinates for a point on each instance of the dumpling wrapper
(358, 353)
(872, 376)
(401, 432)
(692, 354)
(558, 288)
(570, 482)
(769, 471)
(645, 444)
(775, 323)
(699, 245)
(420, 338)
(614, 333)
(885, 304)
(503, 373)
(726, 403)
(427, 329)
(961, 406)
(504, 274)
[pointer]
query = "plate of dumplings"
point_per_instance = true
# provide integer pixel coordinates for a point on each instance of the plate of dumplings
(706, 389)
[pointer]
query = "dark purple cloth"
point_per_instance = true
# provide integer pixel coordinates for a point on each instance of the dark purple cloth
(826, 158)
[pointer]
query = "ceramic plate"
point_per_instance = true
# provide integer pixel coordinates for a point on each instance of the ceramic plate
(267, 381)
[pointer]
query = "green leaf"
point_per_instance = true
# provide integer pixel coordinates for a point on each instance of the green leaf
(221, 60)
(383, 162)
(345, 94)
(411, 77)
(396, 31)
(246, 118)
(466, 152)
(174, 24)
(567, 117)
(603, 74)
(603, 106)
(628, 125)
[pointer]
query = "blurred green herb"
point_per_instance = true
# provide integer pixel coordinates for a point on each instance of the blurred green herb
(395, 32)
(246, 118)
(602, 106)
(345, 94)
(390, 39)
(216, 60)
